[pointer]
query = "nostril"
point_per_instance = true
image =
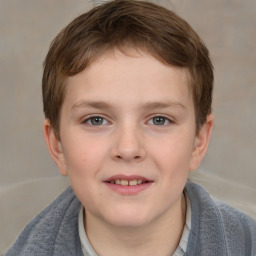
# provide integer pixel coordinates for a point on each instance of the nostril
(128, 152)
(121, 157)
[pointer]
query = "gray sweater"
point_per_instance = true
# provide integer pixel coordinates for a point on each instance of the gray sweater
(216, 229)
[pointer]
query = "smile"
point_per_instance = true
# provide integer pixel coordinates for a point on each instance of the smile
(128, 185)
(127, 182)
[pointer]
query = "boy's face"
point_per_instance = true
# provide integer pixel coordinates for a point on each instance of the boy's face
(128, 119)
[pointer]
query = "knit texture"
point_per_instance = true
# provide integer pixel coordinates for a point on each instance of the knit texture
(216, 229)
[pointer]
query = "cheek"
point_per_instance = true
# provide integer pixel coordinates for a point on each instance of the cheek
(84, 161)
(172, 154)
(83, 157)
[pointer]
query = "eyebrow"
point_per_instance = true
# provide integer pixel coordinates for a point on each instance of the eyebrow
(91, 104)
(151, 105)
(162, 105)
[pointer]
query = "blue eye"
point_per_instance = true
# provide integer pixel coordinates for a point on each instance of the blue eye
(97, 120)
(159, 120)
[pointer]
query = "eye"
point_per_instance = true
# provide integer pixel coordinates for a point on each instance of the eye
(96, 120)
(159, 120)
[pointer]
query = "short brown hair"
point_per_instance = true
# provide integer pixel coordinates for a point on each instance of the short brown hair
(120, 24)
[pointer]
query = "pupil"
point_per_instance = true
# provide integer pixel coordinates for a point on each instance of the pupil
(97, 120)
(158, 120)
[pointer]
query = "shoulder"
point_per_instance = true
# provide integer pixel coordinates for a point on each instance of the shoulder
(238, 227)
(51, 231)
(217, 226)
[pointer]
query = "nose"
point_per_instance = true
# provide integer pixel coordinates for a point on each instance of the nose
(128, 144)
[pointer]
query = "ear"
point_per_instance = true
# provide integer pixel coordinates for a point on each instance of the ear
(201, 143)
(54, 147)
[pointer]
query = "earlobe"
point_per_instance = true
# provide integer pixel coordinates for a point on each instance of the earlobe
(54, 147)
(201, 143)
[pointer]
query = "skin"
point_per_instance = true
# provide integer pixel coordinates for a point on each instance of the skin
(128, 92)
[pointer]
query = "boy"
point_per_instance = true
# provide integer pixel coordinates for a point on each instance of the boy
(127, 92)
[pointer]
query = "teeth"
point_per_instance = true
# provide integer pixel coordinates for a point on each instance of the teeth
(133, 182)
(126, 182)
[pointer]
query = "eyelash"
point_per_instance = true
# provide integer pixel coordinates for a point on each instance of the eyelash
(166, 121)
(163, 118)
(89, 121)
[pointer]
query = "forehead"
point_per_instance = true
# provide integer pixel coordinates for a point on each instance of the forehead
(129, 76)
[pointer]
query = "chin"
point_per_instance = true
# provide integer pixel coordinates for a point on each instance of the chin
(128, 218)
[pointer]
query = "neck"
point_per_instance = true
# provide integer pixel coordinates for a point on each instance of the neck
(161, 237)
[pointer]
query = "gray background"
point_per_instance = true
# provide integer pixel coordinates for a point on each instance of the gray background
(29, 180)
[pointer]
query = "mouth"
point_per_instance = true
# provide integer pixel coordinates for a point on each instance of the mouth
(123, 182)
(128, 185)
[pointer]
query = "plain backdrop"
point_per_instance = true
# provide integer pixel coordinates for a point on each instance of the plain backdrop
(28, 178)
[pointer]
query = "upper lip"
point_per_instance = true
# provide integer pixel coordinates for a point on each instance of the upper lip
(127, 177)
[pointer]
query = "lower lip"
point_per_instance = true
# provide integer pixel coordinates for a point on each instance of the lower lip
(128, 190)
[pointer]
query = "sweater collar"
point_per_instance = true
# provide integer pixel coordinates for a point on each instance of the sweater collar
(207, 232)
